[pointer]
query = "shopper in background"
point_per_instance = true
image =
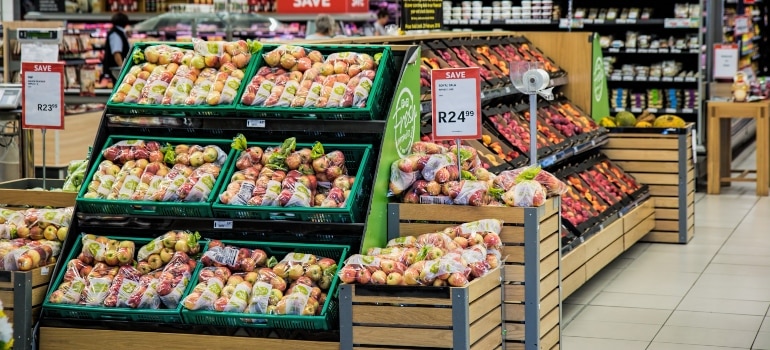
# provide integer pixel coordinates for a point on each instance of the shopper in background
(116, 46)
(383, 16)
(325, 28)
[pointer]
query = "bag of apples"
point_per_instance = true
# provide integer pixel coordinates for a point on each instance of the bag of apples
(73, 284)
(31, 255)
(10, 223)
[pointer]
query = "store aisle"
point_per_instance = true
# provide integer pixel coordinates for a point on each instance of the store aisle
(713, 293)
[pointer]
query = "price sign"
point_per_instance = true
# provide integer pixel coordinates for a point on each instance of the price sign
(456, 103)
(42, 95)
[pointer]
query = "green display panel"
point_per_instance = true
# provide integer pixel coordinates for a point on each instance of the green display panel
(401, 131)
(600, 102)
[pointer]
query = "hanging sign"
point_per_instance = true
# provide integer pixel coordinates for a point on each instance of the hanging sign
(742, 25)
(456, 98)
(422, 14)
(321, 6)
(725, 60)
(42, 95)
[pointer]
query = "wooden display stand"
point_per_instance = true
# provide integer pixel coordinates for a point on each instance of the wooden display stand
(378, 317)
(591, 256)
(18, 193)
(718, 142)
(22, 293)
(531, 237)
(665, 163)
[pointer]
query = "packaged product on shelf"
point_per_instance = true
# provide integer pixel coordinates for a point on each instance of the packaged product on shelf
(123, 285)
(164, 247)
(146, 295)
(234, 258)
(25, 255)
(73, 285)
(76, 173)
(100, 249)
(210, 73)
(297, 77)
(174, 279)
(235, 294)
(98, 283)
(136, 170)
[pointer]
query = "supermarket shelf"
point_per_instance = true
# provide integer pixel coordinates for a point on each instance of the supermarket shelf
(658, 110)
(486, 95)
(141, 16)
(498, 22)
(565, 154)
(653, 79)
(651, 51)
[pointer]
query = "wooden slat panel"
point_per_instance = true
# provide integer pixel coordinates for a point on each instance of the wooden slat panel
(402, 336)
(396, 315)
(550, 301)
(482, 306)
(513, 312)
(492, 340)
(515, 331)
(549, 226)
(400, 300)
(638, 214)
(513, 254)
(40, 275)
(550, 339)
(481, 286)
(603, 238)
(549, 283)
(658, 191)
(643, 155)
(94, 339)
(513, 293)
(636, 233)
(549, 264)
(417, 228)
(666, 214)
(573, 282)
(648, 167)
(601, 260)
(480, 328)
(512, 234)
(549, 245)
(573, 260)
(661, 237)
(514, 273)
(664, 225)
(666, 202)
(643, 143)
(38, 294)
(550, 320)
(657, 179)
(514, 346)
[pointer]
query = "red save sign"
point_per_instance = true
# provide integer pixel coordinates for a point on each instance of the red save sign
(322, 6)
(42, 95)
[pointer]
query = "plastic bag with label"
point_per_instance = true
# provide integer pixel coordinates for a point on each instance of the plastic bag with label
(123, 285)
(98, 283)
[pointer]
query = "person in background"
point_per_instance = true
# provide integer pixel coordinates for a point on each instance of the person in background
(325, 28)
(382, 19)
(116, 46)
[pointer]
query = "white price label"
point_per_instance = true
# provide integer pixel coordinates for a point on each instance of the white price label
(255, 123)
(43, 95)
(223, 224)
(456, 103)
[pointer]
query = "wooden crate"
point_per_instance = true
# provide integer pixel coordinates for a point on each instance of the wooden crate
(381, 317)
(98, 339)
(16, 193)
(22, 293)
(595, 252)
(531, 238)
(662, 159)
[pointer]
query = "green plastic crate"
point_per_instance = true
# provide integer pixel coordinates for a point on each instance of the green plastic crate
(357, 161)
(329, 311)
(171, 316)
(151, 208)
(203, 110)
(376, 105)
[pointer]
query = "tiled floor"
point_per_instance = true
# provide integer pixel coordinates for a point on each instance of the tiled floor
(711, 294)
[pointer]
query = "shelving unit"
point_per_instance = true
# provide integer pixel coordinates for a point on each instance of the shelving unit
(58, 330)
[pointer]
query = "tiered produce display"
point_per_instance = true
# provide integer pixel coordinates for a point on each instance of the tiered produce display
(188, 165)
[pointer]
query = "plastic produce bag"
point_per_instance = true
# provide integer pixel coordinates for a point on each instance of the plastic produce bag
(123, 285)
(236, 259)
(73, 284)
(98, 283)
(234, 296)
(260, 298)
(527, 192)
(441, 168)
(204, 295)
(146, 296)
(174, 279)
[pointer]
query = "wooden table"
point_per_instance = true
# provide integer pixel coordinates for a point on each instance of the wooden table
(719, 158)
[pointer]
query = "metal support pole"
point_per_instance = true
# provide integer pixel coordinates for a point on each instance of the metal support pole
(533, 129)
(346, 316)
(683, 224)
(531, 279)
(44, 170)
(22, 319)
(461, 332)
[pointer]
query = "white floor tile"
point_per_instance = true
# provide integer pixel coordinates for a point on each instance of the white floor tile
(705, 336)
(654, 261)
(759, 272)
(739, 259)
(662, 302)
(732, 293)
(762, 342)
(732, 281)
(580, 343)
(672, 346)
(724, 306)
(623, 314)
(765, 325)
(651, 282)
(612, 330)
(715, 321)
